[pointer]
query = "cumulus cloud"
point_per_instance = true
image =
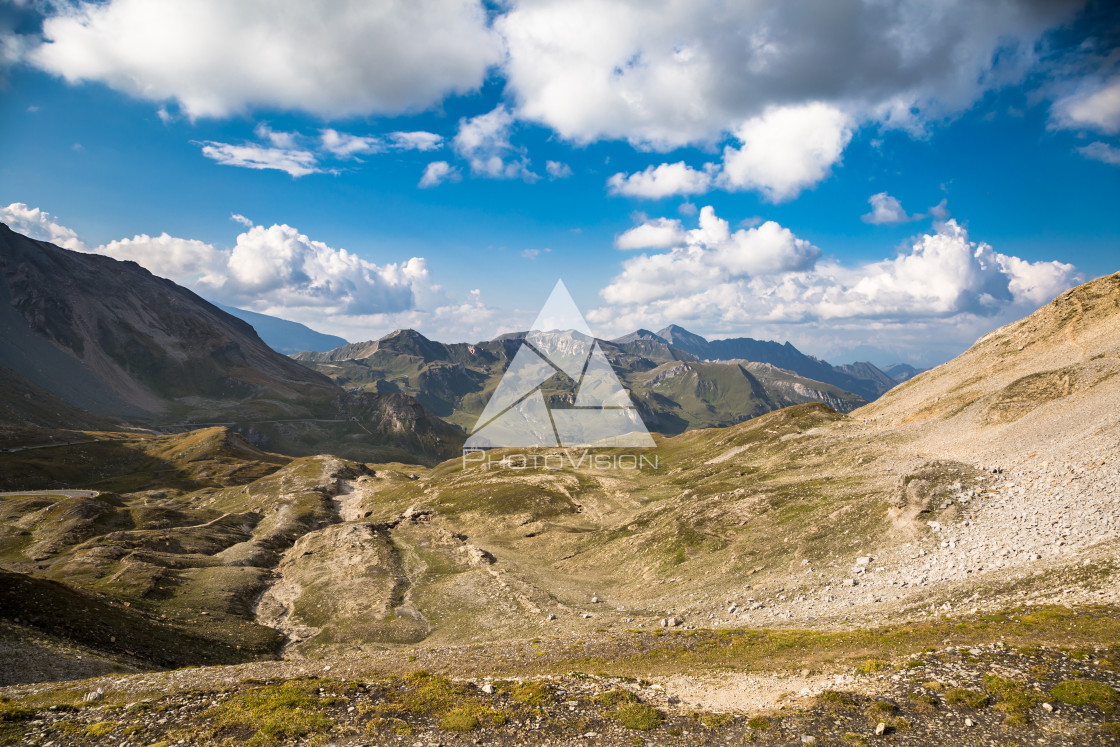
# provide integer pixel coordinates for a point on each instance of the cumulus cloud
(884, 209)
(786, 149)
(709, 255)
(290, 270)
(39, 224)
(218, 58)
(662, 75)
(1102, 152)
(438, 172)
(660, 233)
(664, 180)
(1094, 106)
(186, 261)
(484, 142)
(766, 275)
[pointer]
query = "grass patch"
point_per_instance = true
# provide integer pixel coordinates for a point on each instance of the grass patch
(630, 711)
(274, 713)
(758, 723)
(13, 712)
(835, 700)
(717, 720)
(101, 728)
(613, 698)
(531, 693)
(639, 716)
(924, 704)
(1086, 692)
(469, 718)
(430, 695)
(962, 696)
(1015, 699)
(871, 666)
(398, 726)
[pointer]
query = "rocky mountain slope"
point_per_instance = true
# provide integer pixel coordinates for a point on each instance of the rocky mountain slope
(671, 388)
(114, 339)
(86, 341)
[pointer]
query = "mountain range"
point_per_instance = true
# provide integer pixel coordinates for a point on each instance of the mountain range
(88, 341)
(677, 379)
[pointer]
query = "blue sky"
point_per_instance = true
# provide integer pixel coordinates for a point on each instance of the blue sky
(710, 164)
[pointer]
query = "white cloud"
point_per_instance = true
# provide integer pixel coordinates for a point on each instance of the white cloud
(275, 138)
(1095, 106)
(558, 170)
(288, 270)
(438, 172)
(417, 140)
(662, 181)
(766, 276)
(41, 225)
(239, 218)
(534, 253)
(783, 151)
(1102, 152)
(660, 233)
(663, 74)
(940, 211)
(710, 255)
(786, 149)
(450, 320)
(298, 155)
(484, 142)
(295, 162)
(884, 209)
(218, 58)
(189, 262)
(345, 146)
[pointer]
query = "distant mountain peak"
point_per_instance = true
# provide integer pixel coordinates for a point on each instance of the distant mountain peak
(681, 338)
(641, 334)
(283, 335)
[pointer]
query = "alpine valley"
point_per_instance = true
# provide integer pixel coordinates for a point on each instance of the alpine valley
(203, 540)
